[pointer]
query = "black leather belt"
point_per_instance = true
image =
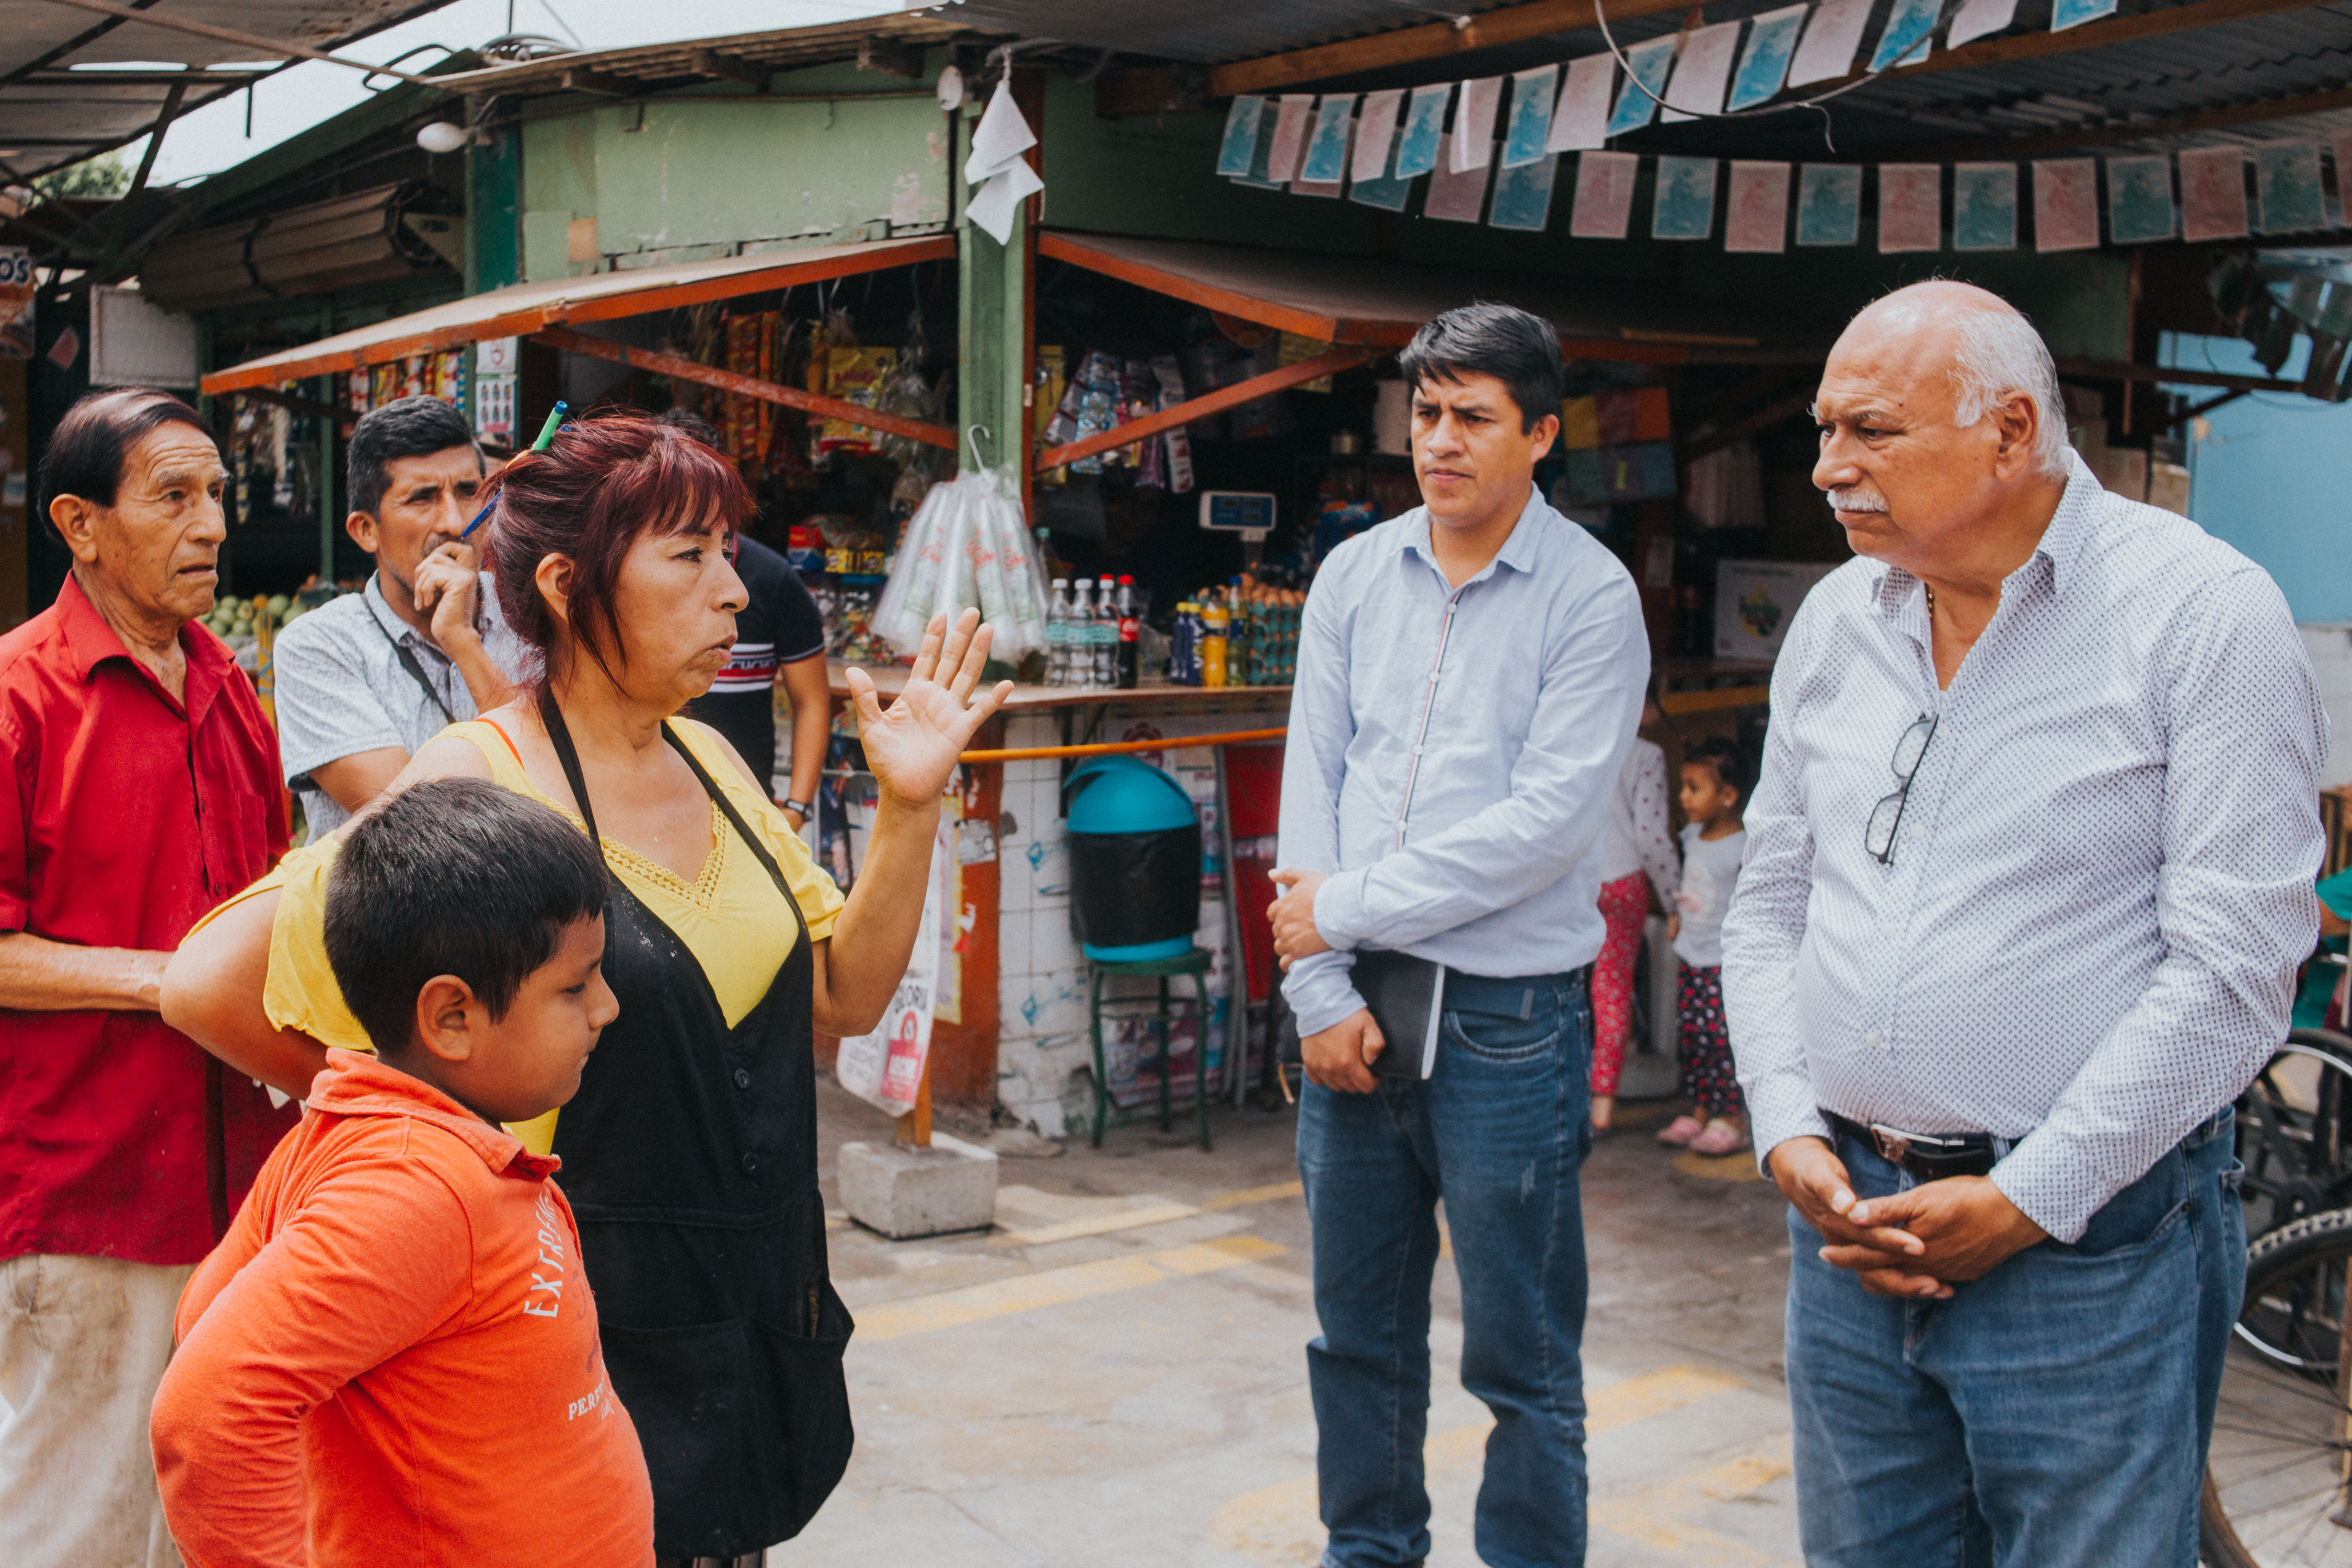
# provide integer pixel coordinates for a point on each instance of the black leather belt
(1513, 998)
(1929, 1157)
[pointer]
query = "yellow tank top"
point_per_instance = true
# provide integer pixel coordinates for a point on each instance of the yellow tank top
(730, 917)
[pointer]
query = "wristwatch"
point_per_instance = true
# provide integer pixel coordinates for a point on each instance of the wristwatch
(802, 809)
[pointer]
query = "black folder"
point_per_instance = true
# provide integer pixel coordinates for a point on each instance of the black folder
(1407, 997)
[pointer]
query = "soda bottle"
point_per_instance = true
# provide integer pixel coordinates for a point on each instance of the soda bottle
(1214, 623)
(1130, 636)
(1058, 635)
(1082, 634)
(1184, 647)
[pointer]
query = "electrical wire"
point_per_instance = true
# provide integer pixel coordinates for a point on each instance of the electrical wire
(1601, 15)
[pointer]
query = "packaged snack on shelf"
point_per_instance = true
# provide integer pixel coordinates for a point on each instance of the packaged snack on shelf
(854, 375)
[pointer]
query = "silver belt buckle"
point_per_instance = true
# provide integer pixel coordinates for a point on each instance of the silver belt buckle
(1894, 1143)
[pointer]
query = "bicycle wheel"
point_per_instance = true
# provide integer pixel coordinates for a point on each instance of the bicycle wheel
(2294, 1132)
(2275, 1480)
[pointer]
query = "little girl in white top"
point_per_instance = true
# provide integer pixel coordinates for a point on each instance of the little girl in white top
(1713, 791)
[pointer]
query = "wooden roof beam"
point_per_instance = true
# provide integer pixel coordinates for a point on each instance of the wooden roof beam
(679, 369)
(2122, 132)
(1427, 41)
(889, 54)
(1193, 409)
(730, 68)
(2035, 45)
(604, 84)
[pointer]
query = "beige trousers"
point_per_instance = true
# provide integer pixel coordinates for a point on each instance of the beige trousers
(83, 1343)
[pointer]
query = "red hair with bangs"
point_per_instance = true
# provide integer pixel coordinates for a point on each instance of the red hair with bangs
(601, 484)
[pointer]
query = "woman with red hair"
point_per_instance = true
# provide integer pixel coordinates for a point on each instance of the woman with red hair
(689, 1153)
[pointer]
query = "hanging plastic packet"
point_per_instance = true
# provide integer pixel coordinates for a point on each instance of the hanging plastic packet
(1140, 396)
(1170, 376)
(1100, 381)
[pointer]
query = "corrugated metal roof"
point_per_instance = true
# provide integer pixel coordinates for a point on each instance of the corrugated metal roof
(1190, 31)
(53, 112)
(775, 50)
(2284, 56)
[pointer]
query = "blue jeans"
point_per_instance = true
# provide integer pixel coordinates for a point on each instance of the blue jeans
(2052, 1415)
(1499, 1130)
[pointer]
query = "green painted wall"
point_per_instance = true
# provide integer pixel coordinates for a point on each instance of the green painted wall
(684, 177)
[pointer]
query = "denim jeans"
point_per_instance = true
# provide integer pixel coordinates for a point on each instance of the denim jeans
(2053, 1414)
(1499, 1130)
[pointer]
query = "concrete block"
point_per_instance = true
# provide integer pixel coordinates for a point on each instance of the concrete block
(904, 1191)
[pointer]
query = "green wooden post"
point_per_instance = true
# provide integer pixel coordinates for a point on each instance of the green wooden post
(993, 314)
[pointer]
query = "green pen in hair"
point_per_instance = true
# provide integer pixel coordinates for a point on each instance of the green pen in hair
(546, 440)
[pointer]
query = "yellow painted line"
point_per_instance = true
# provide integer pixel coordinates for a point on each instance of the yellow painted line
(1740, 1167)
(1272, 1192)
(1097, 1225)
(1273, 1524)
(1054, 1286)
(1656, 1518)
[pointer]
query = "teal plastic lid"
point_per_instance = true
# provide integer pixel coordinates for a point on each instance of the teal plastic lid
(1120, 795)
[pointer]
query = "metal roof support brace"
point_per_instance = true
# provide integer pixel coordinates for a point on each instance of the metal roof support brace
(231, 35)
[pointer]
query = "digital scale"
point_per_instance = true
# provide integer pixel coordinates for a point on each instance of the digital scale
(1249, 513)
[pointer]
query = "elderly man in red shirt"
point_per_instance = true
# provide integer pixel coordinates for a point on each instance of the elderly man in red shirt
(138, 788)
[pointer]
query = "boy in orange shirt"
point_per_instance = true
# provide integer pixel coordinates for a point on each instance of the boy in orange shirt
(393, 1357)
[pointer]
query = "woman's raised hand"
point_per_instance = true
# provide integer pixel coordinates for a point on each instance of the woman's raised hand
(912, 745)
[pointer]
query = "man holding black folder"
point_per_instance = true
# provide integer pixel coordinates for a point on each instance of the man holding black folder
(1470, 676)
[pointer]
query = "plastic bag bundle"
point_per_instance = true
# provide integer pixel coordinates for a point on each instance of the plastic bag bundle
(966, 547)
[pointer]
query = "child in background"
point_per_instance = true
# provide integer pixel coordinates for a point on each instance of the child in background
(1636, 858)
(1713, 790)
(393, 1357)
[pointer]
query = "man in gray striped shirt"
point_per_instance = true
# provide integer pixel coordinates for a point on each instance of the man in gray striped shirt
(2029, 874)
(365, 680)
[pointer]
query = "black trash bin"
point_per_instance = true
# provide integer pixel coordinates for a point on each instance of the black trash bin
(1135, 861)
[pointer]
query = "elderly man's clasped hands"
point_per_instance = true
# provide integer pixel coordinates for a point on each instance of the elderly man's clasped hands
(1916, 1243)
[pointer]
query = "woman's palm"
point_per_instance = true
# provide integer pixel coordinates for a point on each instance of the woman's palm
(912, 745)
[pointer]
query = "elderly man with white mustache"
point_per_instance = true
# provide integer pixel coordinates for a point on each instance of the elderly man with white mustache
(2029, 874)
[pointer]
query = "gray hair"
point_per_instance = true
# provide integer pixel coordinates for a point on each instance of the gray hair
(2001, 356)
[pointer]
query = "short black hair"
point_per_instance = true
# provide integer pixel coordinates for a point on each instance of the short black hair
(452, 877)
(1519, 350)
(84, 456)
(1729, 762)
(680, 417)
(408, 427)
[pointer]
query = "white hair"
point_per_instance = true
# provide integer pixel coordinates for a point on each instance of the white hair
(2001, 356)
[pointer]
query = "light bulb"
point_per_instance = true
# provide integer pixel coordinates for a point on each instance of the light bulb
(440, 136)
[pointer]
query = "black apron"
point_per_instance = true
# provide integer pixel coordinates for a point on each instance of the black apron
(689, 1158)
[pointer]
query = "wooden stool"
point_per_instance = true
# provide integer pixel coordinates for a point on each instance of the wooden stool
(1194, 963)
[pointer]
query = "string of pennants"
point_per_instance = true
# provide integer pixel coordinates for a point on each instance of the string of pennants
(1374, 147)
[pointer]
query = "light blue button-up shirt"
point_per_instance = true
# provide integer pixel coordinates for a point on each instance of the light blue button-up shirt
(1453, 752)
(2101, 884)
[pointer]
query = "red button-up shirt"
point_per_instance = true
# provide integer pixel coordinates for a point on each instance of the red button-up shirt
(124, 816)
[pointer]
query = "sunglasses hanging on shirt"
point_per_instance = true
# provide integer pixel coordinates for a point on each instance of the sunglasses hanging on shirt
(1886, 817)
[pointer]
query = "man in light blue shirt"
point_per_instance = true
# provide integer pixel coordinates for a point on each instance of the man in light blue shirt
(1470, 677)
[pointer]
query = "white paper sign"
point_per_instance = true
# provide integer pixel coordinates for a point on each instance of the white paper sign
(1832, 39)
(1975, 18)
(1002, 136)
(1703, 71)
(1580, 119)
(884, 1068)
(992, 204)
(1374, 131)
(1473, 142)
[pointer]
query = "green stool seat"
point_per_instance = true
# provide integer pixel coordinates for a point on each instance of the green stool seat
(1194, 963)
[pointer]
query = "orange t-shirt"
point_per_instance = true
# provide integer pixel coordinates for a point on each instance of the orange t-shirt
(393, 1356)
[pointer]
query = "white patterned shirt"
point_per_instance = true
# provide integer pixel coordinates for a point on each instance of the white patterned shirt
(342, 690)
(2101, 884)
